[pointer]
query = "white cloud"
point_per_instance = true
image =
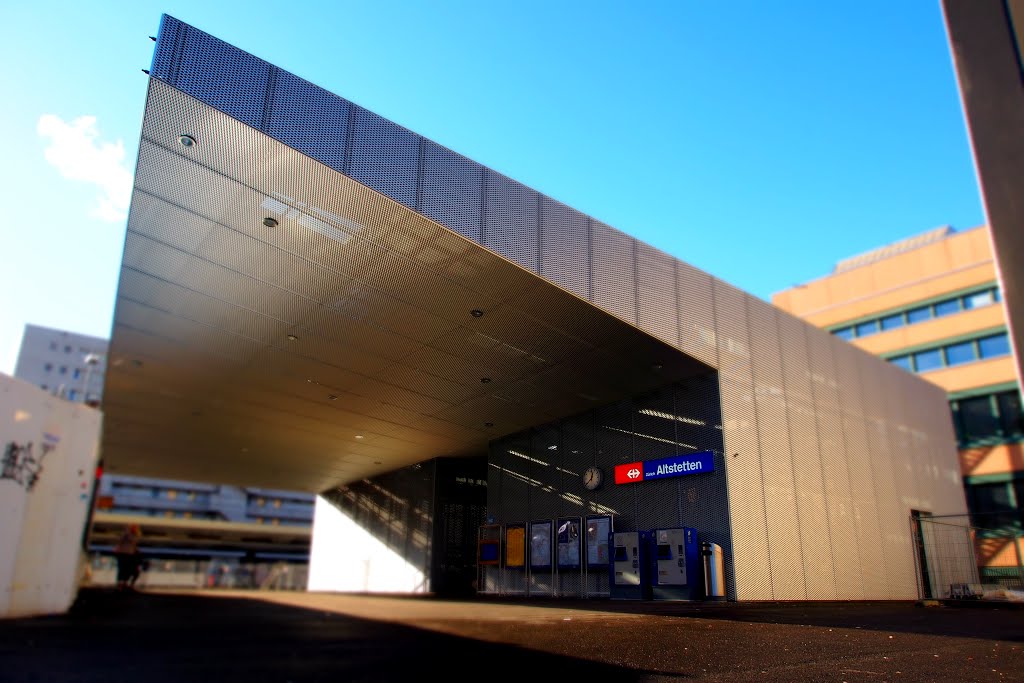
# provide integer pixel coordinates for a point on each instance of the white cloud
(76, 150)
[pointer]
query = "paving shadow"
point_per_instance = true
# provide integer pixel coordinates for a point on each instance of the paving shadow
(988, 622)
(147, 637)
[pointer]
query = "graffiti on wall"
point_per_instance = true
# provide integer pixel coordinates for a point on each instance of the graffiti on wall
(23, 463)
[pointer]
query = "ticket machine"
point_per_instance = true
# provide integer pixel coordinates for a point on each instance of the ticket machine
(676, 568)
(629, 565)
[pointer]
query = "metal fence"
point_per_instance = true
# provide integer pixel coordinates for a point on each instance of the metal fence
(957, 558)
(203, 573)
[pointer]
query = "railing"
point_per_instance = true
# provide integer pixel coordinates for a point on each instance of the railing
(202, 574)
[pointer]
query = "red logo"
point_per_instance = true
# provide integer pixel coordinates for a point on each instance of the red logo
(630, 473)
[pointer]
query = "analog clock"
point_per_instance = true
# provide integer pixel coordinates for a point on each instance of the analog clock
(592, 477)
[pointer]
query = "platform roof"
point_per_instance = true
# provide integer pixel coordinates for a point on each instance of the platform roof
(280, 324)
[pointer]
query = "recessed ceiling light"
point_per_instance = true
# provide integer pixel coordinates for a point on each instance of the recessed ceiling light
(485, 380)
(377, 462)
(359, 436)
(292, 337)
(332, 397)
(476, 313)
(186, 140)
(488, 424)
(270, 222)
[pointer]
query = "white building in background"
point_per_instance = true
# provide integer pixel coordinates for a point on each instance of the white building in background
(72, 366)
(65, 364)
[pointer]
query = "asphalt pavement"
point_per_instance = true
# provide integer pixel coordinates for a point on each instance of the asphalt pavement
(227, 636)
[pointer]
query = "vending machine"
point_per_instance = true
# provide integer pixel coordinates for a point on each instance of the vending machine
(628, 569)
(676, 567)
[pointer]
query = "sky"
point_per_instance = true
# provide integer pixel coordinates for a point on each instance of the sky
(759, 141)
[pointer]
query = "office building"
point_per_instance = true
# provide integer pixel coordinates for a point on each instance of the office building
(933, 305)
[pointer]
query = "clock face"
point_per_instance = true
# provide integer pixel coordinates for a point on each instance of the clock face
(592, 478)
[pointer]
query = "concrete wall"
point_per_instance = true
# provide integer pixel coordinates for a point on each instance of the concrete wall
(46, 479)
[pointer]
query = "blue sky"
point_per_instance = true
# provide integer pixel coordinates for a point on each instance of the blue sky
(759, 141)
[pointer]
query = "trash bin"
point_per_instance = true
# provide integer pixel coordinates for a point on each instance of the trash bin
(714, 571)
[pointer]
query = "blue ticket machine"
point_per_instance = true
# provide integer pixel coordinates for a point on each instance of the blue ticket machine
(628, 567)
(676, 568)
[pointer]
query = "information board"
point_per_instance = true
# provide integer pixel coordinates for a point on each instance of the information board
(569, 542)
(540, 544)
(515, 545)
(598, 530)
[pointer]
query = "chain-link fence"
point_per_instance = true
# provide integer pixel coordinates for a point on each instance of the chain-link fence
(960, 560)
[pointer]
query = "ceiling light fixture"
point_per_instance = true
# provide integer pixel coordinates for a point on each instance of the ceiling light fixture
(292, 337)
(476, 313)
(270, 222)
(488, 424)
(359, 436)
(186, 140)
(332, 397)
(485, 380)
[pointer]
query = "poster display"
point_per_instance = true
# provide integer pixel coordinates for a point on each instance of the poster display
(540, 544)
(598, 530)
(568, 535)
(515, 545)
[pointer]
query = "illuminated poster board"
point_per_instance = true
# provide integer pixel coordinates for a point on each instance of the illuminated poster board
(487, 552)
(598, 530)
(515, 545)
(540, 544)
(568, 535)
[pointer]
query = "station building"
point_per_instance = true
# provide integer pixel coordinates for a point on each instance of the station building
(315, 298)
(932, 304)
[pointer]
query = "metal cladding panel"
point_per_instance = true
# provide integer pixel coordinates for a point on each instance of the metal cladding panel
(385, 157)
(898, 539)
(785, 558)
(511, 220)
(858, 453)
(613, 264)
(803, 438)
(233, 81)
(565, 247)
(834, 466)
(742, 447)
(656, 294)
(308, 118)
(696, 313)
(890, 514)
(451, 190)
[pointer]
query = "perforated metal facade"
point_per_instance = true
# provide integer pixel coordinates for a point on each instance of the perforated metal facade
(825, 450)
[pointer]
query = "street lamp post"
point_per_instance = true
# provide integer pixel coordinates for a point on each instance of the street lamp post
(91, 361)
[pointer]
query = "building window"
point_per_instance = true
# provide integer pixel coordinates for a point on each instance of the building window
(988, 419)
(67, 349)
(903, 362)
(868, 328)
(996, 345)
(919, 315)
(960, 353)
(71, 395)
(927, 360)
(972, 301)
(948, 307)
(63, 370)
(48, 367)
(53, 346)
(76, 373)
(994, 506)
(891, 322)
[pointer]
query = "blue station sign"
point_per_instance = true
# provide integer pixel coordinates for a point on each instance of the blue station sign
(676, 466)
